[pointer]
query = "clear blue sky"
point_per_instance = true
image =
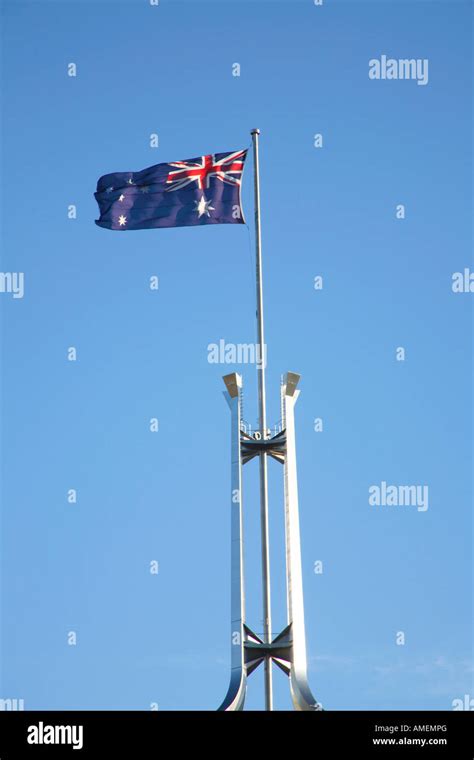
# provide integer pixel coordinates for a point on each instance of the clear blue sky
(141, 496)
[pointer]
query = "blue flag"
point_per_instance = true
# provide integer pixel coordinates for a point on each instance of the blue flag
(197, 191)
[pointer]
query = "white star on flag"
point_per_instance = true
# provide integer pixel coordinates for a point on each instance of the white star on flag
(203, 207)
(122, 220)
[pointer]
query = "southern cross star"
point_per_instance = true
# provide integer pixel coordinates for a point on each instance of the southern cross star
(122, 220)
(203, 207)
(121, 198)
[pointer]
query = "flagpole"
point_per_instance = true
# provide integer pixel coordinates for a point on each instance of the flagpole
(267, 615)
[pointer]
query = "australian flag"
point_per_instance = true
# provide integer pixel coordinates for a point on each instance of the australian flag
(197, 191)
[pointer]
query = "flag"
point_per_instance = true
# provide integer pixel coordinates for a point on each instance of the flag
(197, 191)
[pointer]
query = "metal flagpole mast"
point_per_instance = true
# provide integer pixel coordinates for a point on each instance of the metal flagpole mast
(261, 359)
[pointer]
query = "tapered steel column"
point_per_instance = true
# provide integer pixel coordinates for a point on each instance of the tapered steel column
(301, 694)
(235, 696)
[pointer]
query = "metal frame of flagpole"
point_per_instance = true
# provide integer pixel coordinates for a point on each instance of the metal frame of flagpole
(288, 649)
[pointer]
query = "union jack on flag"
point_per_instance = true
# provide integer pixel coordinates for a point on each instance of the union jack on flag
(228, 169)
(197, 191)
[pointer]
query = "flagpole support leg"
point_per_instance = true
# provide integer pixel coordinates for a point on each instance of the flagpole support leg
(235, 696)
(301, 694)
